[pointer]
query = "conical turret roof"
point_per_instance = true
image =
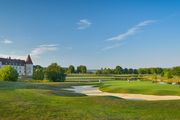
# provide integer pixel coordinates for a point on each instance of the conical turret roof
(28, 60)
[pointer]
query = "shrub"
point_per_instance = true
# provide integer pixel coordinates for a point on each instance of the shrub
(8, 73)
(38, 73)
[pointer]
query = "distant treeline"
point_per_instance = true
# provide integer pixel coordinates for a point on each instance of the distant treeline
(41, 72)
(164, 72)
(117, 70)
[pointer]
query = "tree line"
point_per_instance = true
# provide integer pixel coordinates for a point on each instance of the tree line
(167, 72)
(54, 72)
(117, 70)
(164, 72)
(71, 69)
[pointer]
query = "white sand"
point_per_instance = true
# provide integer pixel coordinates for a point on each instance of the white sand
(93, 91)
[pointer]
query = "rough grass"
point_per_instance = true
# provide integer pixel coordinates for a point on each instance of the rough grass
(48, 101)
(96, 77)
(101, 75)
(140, 87)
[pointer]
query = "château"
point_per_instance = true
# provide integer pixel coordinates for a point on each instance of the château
(23, 67)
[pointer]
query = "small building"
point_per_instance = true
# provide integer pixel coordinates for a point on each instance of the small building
(23, 67)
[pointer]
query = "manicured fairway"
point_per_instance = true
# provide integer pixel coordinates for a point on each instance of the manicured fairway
(140, 87)
(48, 101)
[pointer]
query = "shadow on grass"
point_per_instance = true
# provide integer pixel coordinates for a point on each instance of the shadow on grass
(55, 88)
(68, 93)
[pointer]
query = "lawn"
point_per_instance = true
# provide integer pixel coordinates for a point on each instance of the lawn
(96, 77)
(48, 101)
(140, 87)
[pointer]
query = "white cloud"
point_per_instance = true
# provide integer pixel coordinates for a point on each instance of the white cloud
(42, 49)
(131, 31)
(35, 52)
(7, 41)
(13, 56)
(83, 24)
(111, 47)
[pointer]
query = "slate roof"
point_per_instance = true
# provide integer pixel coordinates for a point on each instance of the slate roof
(9, 61)
(28, 60)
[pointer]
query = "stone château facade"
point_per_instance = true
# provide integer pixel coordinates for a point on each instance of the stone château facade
(24, 68)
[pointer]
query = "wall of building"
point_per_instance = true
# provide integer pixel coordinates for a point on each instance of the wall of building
(19, 69)
(29, 69)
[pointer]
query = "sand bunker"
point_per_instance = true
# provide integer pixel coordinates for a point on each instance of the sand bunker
(94, 91)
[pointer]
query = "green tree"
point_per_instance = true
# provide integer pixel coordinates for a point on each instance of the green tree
(107, 71)
(142, 71)
(159, 70)
(167, 73)
(145, 70)
(55, 73)
(118, 70)
(71, 69)
(81, 69)
(125, 71)
(130, 71)
(155, 70)
(99, 72)
(135, 71)
(176, 71)
(8, 73)
(38, 73)
(162, 74)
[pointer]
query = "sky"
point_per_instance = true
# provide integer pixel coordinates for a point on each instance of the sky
(95, 33)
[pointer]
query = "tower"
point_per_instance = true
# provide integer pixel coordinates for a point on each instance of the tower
(29, 66)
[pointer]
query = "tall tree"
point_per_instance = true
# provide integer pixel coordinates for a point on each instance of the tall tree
(38, 73)
(71, 69)
(8, 73)
(81, 69)
(135, 71)
(176, 71)
(55, 73)
(118, 70)
(130, 71)
(125, 71)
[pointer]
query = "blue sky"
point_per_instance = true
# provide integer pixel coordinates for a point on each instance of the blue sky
(95, 33)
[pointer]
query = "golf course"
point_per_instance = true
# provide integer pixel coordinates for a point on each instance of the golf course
(89, 60)
(49, 100)
(140, 87)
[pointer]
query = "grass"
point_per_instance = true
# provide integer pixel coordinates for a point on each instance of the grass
(140, 87)
(175, 79)
(95, 77)
(100, 75)
(46, 101)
